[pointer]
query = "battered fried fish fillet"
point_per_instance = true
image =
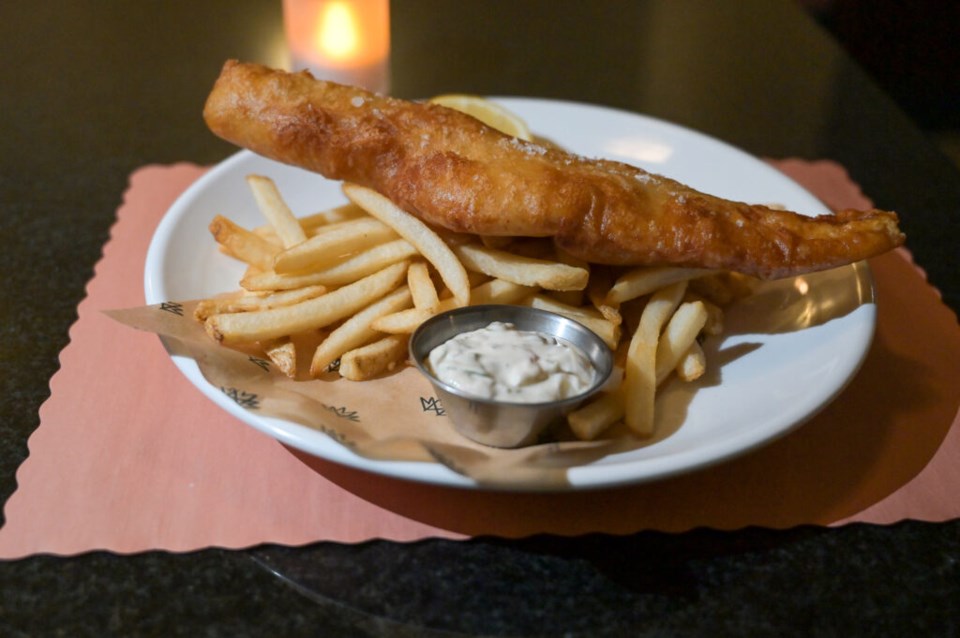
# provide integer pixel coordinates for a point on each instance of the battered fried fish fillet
(456, 173)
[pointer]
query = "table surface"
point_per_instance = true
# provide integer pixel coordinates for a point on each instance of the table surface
(91, 91)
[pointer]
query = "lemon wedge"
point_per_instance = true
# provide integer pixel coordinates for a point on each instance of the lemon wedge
(490, 113)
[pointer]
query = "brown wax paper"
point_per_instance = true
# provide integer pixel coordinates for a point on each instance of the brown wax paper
(394, 417)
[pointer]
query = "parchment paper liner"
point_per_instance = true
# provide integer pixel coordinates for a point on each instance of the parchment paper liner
(404, 421)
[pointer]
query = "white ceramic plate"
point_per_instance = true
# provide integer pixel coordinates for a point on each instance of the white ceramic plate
(787, 352)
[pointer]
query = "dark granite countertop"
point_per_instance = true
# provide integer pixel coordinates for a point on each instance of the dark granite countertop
(92, 91)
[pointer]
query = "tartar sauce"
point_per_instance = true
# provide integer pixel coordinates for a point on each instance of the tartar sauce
(503, 363)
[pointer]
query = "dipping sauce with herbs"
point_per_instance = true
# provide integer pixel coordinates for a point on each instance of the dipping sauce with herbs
(503, 363)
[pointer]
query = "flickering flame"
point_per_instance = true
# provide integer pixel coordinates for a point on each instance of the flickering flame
(345, 41)
(337, 32)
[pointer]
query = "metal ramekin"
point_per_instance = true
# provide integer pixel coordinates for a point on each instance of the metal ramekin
(501, 423)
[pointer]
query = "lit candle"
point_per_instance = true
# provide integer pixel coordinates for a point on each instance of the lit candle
(346, 41)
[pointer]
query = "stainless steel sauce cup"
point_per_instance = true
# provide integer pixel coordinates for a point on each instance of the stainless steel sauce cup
(501, 423)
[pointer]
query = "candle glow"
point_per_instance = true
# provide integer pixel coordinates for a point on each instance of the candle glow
(336, 32)
(346, 41)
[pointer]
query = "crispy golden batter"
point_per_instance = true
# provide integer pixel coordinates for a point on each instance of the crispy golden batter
(452, 171)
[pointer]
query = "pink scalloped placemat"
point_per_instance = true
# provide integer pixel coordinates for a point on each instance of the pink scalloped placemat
(129, 457)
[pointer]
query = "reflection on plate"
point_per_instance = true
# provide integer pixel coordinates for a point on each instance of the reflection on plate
(786, 353)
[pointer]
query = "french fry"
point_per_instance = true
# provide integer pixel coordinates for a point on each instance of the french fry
(333, 245)
(610, 313)
(589, 317)
(421, 287)
(642, 281)
(283, 353)
(356, 331)
(475, 279)
(353, 268)
(276, 211)
(253, 302)
(715, 313)
(406, 321)
(640, 375)
(247, 327)
(495, 291)
(241, 243)
(373, 359)
(571, 297)
(314, 222)
(693, 364)
(601, 280)
(311, 223)
(526, 271)
(681, 332)
(427, 242)
(590, 420)
(498, 291)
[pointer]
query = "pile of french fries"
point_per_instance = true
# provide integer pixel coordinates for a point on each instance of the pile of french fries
(340, 291)
(353, 282)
